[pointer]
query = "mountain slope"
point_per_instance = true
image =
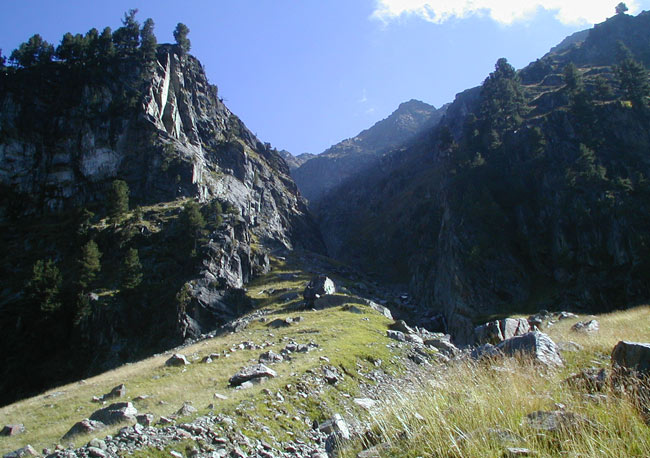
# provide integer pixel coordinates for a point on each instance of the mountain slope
(98, 285)
(321, 173)
(531, 193)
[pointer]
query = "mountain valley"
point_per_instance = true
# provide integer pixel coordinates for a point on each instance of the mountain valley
(175, 286)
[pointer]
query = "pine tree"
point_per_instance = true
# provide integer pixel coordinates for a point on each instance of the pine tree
(502, 99)
(89, 264)
(193, 221)
(633, 78)
(43, 288)
(118, 199)
(35, 51)
(180, 35)
(105, 46)
(148, 41)
(131, 270)
(127, 37)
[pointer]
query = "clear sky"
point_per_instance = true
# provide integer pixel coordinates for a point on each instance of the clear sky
(305, 74)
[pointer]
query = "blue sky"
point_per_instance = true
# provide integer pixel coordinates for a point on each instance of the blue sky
(306, 74)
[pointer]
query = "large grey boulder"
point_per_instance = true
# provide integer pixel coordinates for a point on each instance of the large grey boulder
(535, 344)
(84, 427)
(116, 413)
(252, 372)
(497, 331)
(319, 286)
(632, 356)
(177, 360)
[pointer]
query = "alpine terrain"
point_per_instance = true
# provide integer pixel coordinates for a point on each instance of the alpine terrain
(469, 280)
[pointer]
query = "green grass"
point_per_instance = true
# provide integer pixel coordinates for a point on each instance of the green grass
(457, 413)
(351, 342)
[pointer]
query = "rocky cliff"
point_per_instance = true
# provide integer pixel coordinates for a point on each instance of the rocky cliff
(529, 194)
(67, 132)
(319, 174)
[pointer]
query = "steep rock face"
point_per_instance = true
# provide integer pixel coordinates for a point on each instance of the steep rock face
(68, 131)
(319, 174)
(545, 213)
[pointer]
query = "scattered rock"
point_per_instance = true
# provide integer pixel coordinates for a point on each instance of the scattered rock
(118, 392)
(590, 380)
(97, 452)
(632, 356)
(379, 308)
(115, 413)
(84, 427)
(12, 430)
(566, 315)
(319, 286)
(336, 425)
(535, 344)
(401, 326)
(27, 450)
(485, 351)
(443, 345)
(353, 309)
(497, 331)
(177, 360)
(586, 326)
(186, 410)
(366, 403)
(145, 419)
(251, 373)
(555, 420)
(282, 323)
(270, 357)
(219, 396)
(396, 335)
(331, 375)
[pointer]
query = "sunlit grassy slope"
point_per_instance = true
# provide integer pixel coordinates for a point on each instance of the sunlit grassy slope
(464, 409)
(351, 342)
(479, 408)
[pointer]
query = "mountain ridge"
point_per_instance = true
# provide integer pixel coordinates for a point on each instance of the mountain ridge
(319, 174)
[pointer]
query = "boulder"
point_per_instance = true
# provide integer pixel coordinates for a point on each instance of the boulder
(27, 450)
(270, 357)
(444, 346)
(379, 308)
(632, 356)
(396, 335)
(84, 427)
(12, 430)
(586, 326)
(250, 373)
(497, 331)
(319, 286)
(566, 315)
(177, 360)
(115, 413)
(401, 326)
(118, 392)
(185, 410)
(145, 419)
(589, 380)
(535, 344)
